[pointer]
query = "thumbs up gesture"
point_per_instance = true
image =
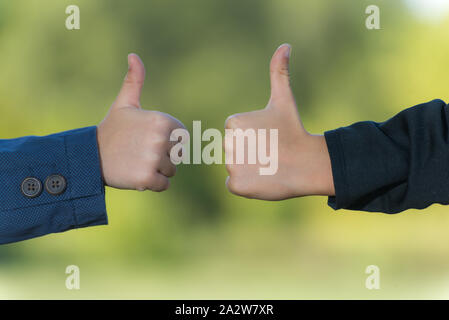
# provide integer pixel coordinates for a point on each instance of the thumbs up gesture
(133, 143)
(303, 164)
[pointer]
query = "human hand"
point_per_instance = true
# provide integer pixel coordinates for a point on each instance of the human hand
(134, 144)
(304, 166)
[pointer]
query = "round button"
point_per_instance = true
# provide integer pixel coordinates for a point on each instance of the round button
(31, 187)
(55, 184)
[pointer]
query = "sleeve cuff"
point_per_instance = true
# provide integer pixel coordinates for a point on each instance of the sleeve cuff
(86, 182)
(338, 164)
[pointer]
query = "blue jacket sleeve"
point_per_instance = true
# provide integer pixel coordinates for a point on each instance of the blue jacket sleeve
(71, 155)
(395, 165)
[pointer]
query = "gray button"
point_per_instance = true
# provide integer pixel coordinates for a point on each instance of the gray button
(31, 187)
(55, 184)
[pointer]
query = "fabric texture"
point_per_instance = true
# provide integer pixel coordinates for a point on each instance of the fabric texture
(395, 165)
(72, 154)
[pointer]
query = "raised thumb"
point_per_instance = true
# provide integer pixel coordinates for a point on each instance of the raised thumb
(132, 85)
(279, 76)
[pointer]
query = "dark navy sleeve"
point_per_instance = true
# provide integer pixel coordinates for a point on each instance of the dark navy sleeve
(395, 165)
(72, 155)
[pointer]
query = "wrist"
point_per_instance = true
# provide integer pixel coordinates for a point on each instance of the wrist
(312, 170)
(100, 148)
(322, 168)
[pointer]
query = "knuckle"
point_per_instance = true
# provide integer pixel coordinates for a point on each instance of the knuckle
(160, 120)
(280, 69)
(144, 180)
(153, 159)
(230, 168)
(160, 141)
(232, 121)
(128, 80)
(172, 171)
(174, 123)
(283, 71)
(132, 80)
(167, 168)
(162, 186)
(236, 187)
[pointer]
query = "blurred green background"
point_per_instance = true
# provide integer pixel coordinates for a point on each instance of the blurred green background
(205, 60)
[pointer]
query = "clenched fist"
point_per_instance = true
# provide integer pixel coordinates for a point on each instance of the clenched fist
(134, 143)
(303, 166)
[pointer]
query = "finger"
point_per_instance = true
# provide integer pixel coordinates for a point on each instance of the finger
(279, 74)
(159, 183)
(132, 85)
(167, 168)
(232, 121)
(176, 123)
(237, 187)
